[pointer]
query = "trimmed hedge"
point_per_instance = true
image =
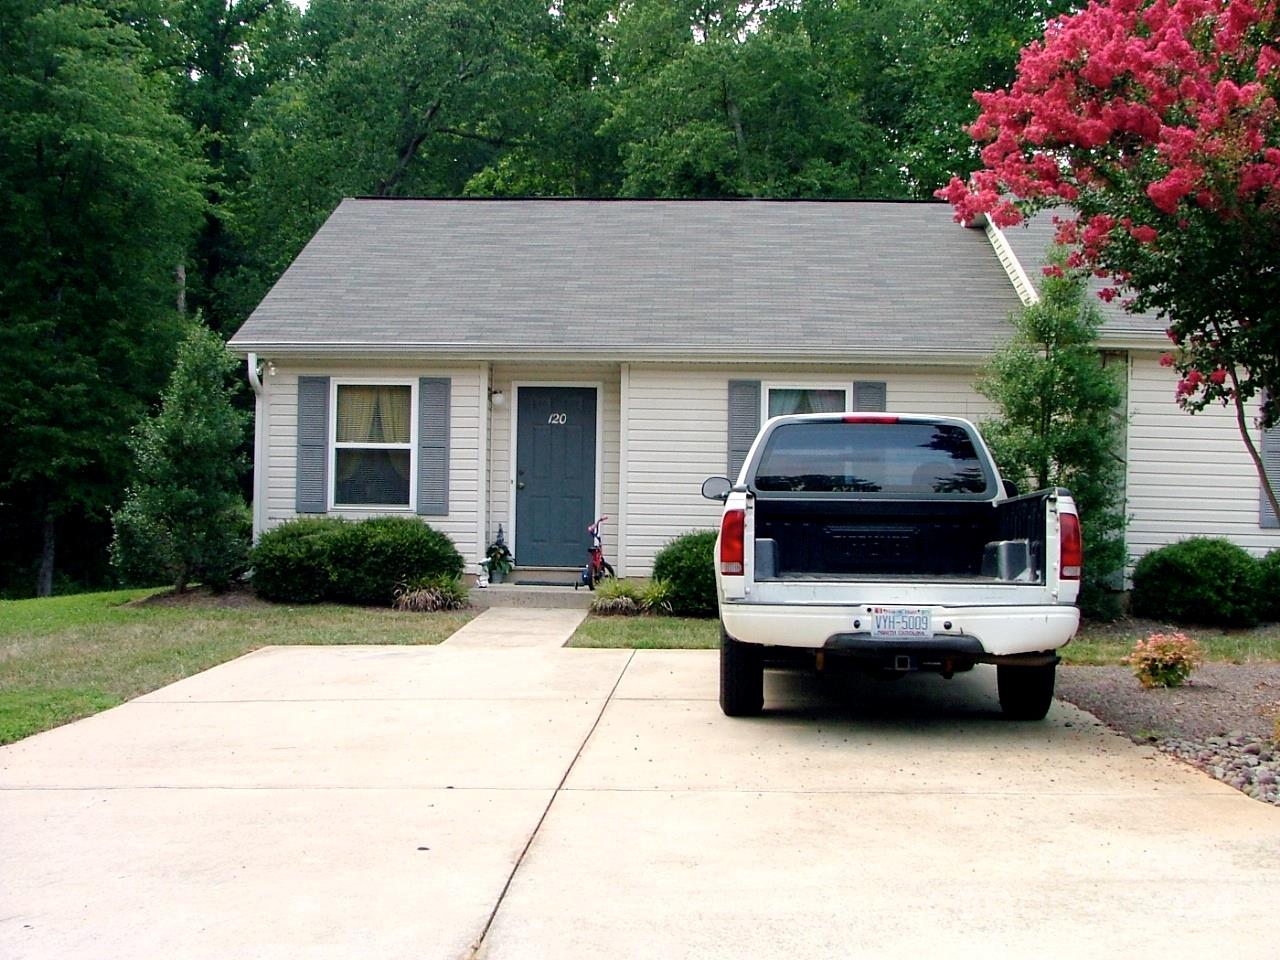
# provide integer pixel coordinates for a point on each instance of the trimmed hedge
(1201, 580)
(1269, 587)
(687, 566)
(360, 562)
(370, 559)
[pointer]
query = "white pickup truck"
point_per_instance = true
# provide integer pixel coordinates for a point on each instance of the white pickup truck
(890, 542)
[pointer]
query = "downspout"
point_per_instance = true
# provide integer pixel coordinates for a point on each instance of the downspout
(259, 438)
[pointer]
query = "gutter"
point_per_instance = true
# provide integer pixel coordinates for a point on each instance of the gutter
(259, 447)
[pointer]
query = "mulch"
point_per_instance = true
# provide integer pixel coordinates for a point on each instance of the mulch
(1221, 698)
(237, 598)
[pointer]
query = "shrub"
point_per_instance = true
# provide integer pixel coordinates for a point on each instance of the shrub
(429, 594)
(291, 561)
(615, 597)
(688, 567)
(1164, 660)
(1269, 587)
(1200, 580)
(370, 559)
(183, 518)
(655, 597)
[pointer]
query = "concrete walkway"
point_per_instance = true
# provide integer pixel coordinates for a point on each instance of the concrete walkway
(451, 802)
(506, 627)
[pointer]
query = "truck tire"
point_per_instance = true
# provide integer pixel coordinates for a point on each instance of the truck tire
(1026, 693)
(741, 677)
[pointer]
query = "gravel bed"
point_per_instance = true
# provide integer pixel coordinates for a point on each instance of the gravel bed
(1222, 722)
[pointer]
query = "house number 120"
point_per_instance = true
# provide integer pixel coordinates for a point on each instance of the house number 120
(558, 418)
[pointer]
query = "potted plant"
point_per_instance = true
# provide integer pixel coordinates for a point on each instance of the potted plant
(498, 561)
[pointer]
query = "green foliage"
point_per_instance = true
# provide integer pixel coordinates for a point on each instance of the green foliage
(369, 559)
(100, 191)
(431, 594)
(1059, 425)
(614, 597)
(655, 597)
(1201, 580)
(291, 562)
(688, 568)
(1164, 660)
(183, 518)
(1269, 587)
(364, 562)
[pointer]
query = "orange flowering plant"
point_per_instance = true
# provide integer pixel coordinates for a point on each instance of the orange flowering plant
(1164, 659)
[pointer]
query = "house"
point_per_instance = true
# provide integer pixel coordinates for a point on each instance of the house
(534, 364)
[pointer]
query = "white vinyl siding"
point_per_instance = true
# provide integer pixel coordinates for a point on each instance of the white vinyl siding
(1189, 475)
(677, 435)
(504, 376)
(280, 404)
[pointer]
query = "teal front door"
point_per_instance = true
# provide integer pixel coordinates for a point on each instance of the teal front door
(555, 475)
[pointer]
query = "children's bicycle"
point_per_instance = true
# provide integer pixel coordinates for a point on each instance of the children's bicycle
(597, 567)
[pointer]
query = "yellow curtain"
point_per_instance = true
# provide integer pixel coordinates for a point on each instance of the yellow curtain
(357, 407)
(372, 414)
(393, 404)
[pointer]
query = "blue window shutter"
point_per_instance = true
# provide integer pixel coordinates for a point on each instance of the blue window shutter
(313, 445)
(744, 422)
(1271, 462)
(433, 446)
(869, 396)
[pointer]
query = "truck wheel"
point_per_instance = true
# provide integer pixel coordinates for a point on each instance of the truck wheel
(741, 677)
(1025, 692)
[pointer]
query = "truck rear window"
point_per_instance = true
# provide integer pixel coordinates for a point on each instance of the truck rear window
(904, 458)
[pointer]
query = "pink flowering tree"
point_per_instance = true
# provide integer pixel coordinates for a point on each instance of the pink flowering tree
(1155, 124)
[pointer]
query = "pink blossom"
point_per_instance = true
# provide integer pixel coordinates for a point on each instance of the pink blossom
(1166, 359)
(1143, 234)
(1218, 376)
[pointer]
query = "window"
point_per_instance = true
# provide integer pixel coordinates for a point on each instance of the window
(785, 400)
(373, 445)
(895, 459)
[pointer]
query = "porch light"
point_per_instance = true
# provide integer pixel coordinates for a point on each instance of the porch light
(497, 398)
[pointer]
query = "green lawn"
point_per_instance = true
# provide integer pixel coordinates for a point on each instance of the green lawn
(67, 657)
(1095, 644)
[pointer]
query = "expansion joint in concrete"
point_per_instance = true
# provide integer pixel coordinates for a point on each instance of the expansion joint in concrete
(474, 953)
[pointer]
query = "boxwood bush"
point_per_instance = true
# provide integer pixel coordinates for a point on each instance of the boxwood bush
(291, 562)
(1269, 587)
(687, 566)
(370, 559)
(1201, 580)
(361, 562)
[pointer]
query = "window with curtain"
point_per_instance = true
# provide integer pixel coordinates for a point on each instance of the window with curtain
(783, 401)
(373, 452)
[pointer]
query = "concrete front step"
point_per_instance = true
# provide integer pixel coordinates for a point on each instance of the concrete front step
(529, 595)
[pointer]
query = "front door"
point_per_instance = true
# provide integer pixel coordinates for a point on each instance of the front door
(555, 475)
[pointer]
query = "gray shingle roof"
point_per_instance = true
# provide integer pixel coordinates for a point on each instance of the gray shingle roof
(634, 279)
(1031, 241)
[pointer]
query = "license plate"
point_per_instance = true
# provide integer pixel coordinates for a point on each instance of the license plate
(891, 622)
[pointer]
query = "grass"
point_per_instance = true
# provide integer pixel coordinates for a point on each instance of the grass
(1099, 644)
(647, 633)
(1096, 644)
(64, 658)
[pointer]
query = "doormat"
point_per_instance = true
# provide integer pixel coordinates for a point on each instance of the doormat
(543, 583)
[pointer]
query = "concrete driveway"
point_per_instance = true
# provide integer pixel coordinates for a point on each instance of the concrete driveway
(525, 803)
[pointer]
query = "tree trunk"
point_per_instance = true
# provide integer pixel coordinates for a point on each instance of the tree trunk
(44, 579)
(182, 288)
(1243, 423)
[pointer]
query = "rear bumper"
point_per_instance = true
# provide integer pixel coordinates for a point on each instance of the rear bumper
(978, 632)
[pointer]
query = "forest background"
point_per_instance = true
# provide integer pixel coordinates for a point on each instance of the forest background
(162, 162)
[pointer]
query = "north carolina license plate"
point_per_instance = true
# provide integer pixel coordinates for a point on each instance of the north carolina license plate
(892, 622)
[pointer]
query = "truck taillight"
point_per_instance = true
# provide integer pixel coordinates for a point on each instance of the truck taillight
(1072, 556)
(731, 535)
